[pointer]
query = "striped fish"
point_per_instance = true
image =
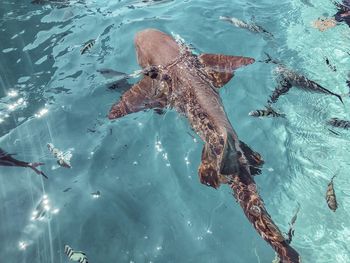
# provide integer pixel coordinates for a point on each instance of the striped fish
(332, 67)
(268, 112)
(77, 256)
(87, 46)
(63, 158)
(335, 122)
(330, 196)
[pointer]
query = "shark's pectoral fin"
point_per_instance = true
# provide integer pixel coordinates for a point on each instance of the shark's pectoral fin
(220, 68)
(143, 95)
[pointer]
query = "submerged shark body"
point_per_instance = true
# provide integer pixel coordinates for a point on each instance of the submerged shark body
(176, 78)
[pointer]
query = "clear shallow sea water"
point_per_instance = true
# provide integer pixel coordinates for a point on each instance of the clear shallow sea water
(152, 207)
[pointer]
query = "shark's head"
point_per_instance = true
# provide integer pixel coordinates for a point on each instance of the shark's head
(154, 47)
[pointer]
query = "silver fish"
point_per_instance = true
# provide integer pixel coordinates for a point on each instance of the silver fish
(268, 112)
(63, 158)
(77, 256)
(87, 46)
(252, 27)
(292, 78)
(44, 209)
(330, 196)
(335, 122)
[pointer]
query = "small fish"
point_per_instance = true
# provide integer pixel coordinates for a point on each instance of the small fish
(44, 209)
(252, 27)
(77, 256)
(6, 159)
(63, 158)
(330, 196)
(268, 112)
(96, 194)
(335, 122)
(67, 189)
(281, 89)
(111, 73)
(332, 67)
(41, 209)
(335, 133)
(297, 80)
(87, 46)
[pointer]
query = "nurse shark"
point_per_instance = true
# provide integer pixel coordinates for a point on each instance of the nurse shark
(174, 77)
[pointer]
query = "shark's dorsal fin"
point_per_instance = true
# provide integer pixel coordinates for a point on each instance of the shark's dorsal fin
(143, 95)
(220, 68)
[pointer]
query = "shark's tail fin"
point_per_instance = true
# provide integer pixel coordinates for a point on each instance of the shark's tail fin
(246, 194)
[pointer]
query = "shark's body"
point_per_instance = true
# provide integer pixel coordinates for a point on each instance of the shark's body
(176, 78)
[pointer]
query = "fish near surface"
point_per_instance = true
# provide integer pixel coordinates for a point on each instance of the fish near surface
(87, 46)
(293, 79)
(268, 112)
(73, 255)
(330, 196)
(176, 78)
(339, 123)
(252, 27)
(6, 159)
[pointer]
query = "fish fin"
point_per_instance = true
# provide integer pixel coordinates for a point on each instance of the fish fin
(339, 97)
(3, 153)
(229, 158)
(142, 95)
(220, 67)
(254, 159)
(207, 171)
(37, 171)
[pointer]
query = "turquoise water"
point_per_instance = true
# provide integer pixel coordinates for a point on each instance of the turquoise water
(152, 207)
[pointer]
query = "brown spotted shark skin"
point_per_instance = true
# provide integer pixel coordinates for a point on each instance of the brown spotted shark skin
(173, 77)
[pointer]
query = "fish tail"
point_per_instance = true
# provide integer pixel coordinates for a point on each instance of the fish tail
(246, 194)
(33, 167)
(340, 98)
(333, 177)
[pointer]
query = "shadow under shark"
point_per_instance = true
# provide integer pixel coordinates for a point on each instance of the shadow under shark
(176, 78)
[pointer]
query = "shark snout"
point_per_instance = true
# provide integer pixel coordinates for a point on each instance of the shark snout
(144, 38)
